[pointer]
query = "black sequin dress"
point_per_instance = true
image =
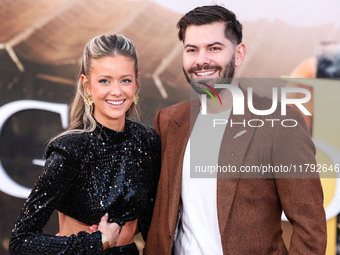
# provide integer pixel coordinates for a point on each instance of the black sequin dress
(85, 176)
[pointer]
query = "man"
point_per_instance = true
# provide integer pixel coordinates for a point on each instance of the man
(235, 215)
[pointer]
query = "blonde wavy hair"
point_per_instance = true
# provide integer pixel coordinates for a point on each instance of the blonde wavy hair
(81, 114)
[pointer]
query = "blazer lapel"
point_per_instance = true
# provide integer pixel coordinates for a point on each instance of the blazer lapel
(235, 142)
(180, 126)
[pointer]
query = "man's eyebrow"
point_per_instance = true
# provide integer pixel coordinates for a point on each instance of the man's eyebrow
(190, 46)
(209, 45)
(214, 43)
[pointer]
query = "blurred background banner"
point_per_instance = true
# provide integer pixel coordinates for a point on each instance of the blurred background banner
(41, 43)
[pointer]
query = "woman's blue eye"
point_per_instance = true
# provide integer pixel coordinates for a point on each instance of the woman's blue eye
(126, 81)
(104, 81)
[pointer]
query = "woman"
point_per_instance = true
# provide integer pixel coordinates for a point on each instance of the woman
(101, 174)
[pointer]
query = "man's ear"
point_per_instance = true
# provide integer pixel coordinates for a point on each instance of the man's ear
(85, 82)
(240, 54)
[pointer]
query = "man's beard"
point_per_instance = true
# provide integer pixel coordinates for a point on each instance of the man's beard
(201, 84)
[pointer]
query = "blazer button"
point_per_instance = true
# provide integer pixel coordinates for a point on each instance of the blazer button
(170, 235)
(232, 154)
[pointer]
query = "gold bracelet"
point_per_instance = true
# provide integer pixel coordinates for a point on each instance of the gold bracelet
(105, 242)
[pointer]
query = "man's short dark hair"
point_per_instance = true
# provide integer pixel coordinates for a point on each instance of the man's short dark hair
(209, 14)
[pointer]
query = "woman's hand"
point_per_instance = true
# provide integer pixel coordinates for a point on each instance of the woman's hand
(110, 230)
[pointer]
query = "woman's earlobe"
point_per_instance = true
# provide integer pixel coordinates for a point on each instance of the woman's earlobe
(84, 82)
(83, 79)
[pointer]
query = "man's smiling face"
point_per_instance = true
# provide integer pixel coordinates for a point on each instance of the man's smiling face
(208, 56)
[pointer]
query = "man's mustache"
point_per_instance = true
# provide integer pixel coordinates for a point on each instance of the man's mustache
(204, 67)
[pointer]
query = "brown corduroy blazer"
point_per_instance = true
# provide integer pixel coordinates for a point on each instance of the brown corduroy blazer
(249, 209)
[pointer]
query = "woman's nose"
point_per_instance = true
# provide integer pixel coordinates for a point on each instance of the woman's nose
(115, 89)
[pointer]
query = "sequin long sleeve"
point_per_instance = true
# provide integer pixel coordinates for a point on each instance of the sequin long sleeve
(85, 176)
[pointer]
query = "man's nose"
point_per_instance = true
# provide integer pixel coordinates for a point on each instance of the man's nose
(202, 58)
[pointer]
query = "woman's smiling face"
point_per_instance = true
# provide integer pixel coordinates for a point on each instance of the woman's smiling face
(112, 83)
